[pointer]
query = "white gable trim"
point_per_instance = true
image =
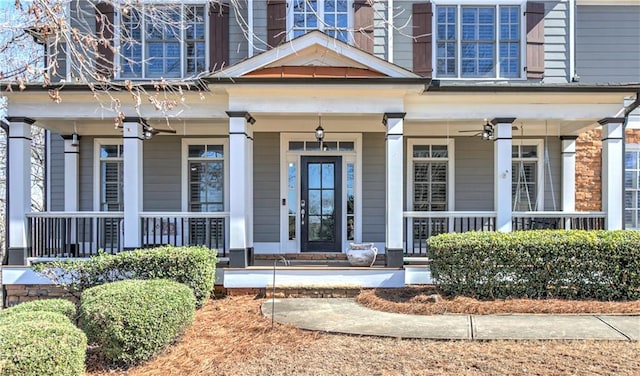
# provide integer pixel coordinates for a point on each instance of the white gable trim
(324, 41)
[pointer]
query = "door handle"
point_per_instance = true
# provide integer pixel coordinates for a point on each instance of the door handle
(302, 211)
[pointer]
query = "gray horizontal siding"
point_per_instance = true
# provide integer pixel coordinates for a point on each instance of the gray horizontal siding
(553, 174)
(373, 187)
(266, 191)
(403, 33)
(608, 43)
(474, 174)
(161, 176)
(238, 42)
(380, 30)
(556, 42)
(260, 26)
(86, 173)
(56, 172)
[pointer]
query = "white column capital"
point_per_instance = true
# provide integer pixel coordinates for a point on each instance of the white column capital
(394, 121)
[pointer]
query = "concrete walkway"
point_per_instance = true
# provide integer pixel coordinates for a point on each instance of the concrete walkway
(346, 316)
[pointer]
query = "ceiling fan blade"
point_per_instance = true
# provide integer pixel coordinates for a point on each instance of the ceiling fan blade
(162, 130)
(469, 131)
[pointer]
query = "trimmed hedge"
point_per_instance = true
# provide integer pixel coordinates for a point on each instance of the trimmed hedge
(193, 266)
(133, 320)
(16, 317)
(62, 306)
(575, 264)
(38, 345)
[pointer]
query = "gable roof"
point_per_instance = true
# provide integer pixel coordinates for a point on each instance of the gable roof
(315, 49)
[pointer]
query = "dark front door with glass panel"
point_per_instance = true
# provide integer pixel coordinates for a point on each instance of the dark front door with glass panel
(320, 204)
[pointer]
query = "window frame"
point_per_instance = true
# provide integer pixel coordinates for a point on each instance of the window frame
(186, 142)
(118, 61)
(496, 4)
(320, 25)
(540, 160)
(410, 191)
(633, 148)
(98, 143)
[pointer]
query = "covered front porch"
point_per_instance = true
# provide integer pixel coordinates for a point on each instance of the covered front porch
(242, 166)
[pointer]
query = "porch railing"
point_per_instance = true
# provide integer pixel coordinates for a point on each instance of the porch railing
(73, 234)
(420, 226)
(537, 220)
(185, 228)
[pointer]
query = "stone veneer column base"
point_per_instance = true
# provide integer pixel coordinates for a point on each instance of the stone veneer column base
(394, 258)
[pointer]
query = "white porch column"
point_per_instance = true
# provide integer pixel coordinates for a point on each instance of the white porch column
(19, 187)
(241, 183)
(394, 188)
(132, 180)
(71, 168)
(613, 172)
(502, 173)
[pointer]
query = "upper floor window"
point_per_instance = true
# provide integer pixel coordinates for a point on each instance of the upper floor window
(478, 41)
(333, 17)
(170, 46)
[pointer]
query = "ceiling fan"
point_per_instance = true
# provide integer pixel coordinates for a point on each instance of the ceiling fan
(148, 131)
(487, 132)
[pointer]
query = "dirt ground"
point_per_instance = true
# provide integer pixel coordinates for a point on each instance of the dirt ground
(231, 337)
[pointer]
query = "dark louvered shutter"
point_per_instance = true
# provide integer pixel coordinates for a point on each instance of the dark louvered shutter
(218, 36)
(104, 31)
(276, 22)
(535, 39)
(363, 25)
(422, 39)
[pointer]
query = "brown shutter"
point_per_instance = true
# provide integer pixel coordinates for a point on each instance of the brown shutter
(104, 32)
(276, 22)
(218, 36)
(422, 39)
(535, 39)
(363, 25)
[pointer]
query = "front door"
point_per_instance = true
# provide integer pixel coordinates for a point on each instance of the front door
(321, 204)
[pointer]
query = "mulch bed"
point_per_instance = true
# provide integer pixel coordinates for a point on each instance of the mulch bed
(428, 301)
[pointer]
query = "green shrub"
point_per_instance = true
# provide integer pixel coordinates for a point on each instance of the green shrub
(133, 320)
(603, 265)
(193, 266)
(62, 306)
(13, 317)
(39, 346)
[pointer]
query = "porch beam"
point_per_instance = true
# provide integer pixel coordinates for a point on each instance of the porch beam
(19, 187)
(394, 192)
(613, 171)
(502, 173)
(132, 181)
(241, 183)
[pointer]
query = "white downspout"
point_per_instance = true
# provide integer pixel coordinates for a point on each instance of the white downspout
(390, 31)
(250, 27)
(572, 40)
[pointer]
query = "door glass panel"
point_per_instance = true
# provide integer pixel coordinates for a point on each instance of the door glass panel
(350, 201)
(314, 202)
(314, 228)
(327, 202)
(327, 175)
(314, 175)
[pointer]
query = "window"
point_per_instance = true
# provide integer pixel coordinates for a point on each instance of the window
(526, 170)
(430, 175)
(333, 17)
(205, 163)
(172, 48)
(111, 177)
(478, 41)
(632, 187)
